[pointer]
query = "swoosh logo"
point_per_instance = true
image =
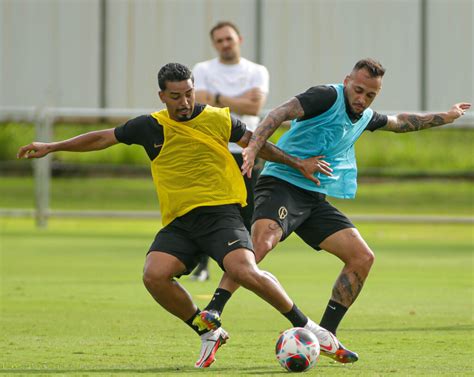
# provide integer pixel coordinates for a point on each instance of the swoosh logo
(157, 145)
(327, 348)
(230, 243)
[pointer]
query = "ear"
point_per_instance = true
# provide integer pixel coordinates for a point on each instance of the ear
(162, 96)
(346, 80)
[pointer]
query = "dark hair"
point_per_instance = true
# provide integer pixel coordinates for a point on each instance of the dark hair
(222, 24)
(374, 67)
(173, 72)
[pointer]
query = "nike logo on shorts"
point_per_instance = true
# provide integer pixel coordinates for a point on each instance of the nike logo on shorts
(230, 243)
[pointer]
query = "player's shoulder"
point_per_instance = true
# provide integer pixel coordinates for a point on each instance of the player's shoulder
(144, 120)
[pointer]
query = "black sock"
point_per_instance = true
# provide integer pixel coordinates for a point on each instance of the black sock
(220, 298)
(189, 322)
(332, 316)
(296, 317)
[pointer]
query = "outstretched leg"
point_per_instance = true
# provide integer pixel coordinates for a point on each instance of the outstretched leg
(265, 236)
(241, 267)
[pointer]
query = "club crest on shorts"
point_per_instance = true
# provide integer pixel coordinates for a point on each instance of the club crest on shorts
(282, 212)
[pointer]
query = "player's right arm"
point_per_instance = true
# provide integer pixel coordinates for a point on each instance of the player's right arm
(289, 110)
(90, 141)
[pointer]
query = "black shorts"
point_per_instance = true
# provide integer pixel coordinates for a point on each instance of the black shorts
(307, 213)
(215, 231)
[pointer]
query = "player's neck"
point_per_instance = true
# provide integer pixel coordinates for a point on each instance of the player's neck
(233, 61)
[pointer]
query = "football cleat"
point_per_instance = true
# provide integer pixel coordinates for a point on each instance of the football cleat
(202, 275)
(211, 341)
(207, 320)
(330, 345)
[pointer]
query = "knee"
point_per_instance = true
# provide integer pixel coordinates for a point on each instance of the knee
(261, 246)
(153, 278)
(242, 274)
(364, 259)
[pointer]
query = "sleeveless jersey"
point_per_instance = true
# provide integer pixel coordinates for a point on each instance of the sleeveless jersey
(195, 168)
(331, 134)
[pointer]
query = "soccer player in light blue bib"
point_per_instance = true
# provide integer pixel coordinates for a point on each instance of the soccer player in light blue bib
(326, 121)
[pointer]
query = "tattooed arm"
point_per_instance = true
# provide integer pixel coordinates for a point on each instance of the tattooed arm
(271, 152)
(415, 122)
(289, 110)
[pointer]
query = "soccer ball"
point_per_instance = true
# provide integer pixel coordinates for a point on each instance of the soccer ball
(297, 349)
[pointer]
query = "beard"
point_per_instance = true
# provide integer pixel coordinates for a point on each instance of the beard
(183, 118)
(228, 56)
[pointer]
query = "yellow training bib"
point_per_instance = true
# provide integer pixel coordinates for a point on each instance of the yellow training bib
(195, 168)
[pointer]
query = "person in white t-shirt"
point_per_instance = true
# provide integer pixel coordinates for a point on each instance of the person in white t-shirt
(230, 80)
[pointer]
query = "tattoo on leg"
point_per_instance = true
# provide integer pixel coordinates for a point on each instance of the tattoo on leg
(347, 287)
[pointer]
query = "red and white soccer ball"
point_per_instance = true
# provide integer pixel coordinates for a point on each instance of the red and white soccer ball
(297, 349)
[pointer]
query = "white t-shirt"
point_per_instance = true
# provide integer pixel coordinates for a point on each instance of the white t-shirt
(232, 80)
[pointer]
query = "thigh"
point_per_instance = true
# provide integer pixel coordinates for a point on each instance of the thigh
(239, 261)
(160, 264)
(281, 202)
(324, 221)
(177, 243)
(222, 233)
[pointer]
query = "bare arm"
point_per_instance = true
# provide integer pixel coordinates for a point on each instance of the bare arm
(289, 110)
(205, 97)
(91, 141)
(249, 103)
(415, 122)
(307, 167)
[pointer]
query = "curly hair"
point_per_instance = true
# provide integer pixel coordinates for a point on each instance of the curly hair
(173, 72)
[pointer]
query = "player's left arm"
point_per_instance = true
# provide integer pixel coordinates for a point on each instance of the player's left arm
(249, 103)
(204, 97)
(307, 167)
(406, 122)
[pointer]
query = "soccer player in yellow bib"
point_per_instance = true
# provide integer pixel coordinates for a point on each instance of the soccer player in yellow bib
(200, 189)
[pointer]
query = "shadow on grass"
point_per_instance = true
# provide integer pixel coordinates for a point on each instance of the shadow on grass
(463, 327)
(257, 370)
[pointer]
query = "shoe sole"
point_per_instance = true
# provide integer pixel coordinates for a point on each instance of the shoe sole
(340, 357)
(210, 359)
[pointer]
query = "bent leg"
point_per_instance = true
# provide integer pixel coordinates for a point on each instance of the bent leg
(266, 234)
(241, 268)
(158, 277)
(349, 246)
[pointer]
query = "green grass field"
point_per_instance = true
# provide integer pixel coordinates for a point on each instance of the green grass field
(395, 196)
(73, 304)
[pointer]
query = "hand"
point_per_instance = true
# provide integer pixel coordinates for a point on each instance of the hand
(34, 150)
(248, 155)
(311, 165)
(458, 110)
